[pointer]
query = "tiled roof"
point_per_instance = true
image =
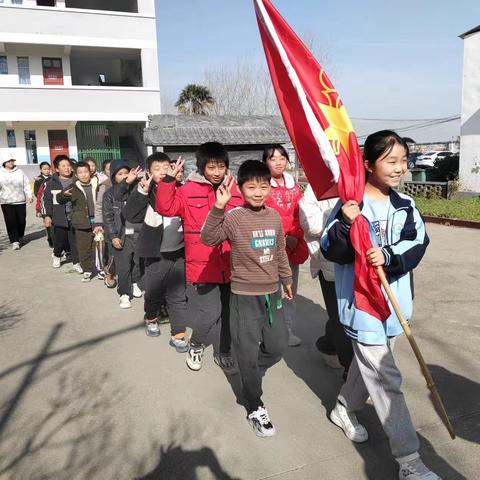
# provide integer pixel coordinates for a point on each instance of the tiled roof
(167, 130)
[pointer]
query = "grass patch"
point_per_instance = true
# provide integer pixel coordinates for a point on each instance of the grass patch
(461, 209)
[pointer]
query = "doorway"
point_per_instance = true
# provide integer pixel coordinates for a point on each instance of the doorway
(58, 143)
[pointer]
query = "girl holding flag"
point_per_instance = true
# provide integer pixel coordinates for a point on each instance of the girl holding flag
(398, 234)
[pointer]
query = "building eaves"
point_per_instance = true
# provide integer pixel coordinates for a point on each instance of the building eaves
(470, 32)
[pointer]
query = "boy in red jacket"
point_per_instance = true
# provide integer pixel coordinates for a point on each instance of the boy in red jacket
(207, 268)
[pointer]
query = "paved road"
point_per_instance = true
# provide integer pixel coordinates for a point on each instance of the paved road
(86, 395)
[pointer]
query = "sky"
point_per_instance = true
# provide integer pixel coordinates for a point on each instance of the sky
(387, 59)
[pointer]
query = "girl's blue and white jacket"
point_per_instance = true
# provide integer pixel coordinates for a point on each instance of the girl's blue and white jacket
(407, 241)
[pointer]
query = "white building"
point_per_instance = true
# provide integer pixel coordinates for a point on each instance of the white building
(78, 77)
(470, 129)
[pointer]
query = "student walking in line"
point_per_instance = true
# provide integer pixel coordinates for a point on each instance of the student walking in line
(259, 261)
(400, 240)
(335, 345)
(284, 198)
(38, 188)
(82, 195)
(161, 245)
(57, 215)
(122, 235)
(207, 268)
(15, 193)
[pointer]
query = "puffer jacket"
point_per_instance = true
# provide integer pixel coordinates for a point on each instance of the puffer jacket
(285, 200)
(14, 186)
(193, 202)
(50, 206)
(313, 219)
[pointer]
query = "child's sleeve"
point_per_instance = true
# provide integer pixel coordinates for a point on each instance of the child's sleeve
(404, 255)
(284, 270)
(335, 242)
(47, 201)
(136, 206)
(216, 228)
(170, 201)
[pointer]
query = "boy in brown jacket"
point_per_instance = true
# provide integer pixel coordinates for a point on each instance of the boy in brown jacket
(258, 262)
(82, 193)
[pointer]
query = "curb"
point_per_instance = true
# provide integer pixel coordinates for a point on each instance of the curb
(452, 222)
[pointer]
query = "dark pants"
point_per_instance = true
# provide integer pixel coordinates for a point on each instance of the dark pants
(259, 337)
(210, 306)
(84, 239)
(165, 280)
(127, 266)
(64, 241)
(335, 340)
(15, 220)
(49, 236)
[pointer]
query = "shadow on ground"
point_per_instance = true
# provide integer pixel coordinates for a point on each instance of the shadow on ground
(325, 382)
(10, 317)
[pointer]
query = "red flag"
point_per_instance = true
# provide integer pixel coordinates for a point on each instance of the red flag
(323, 137)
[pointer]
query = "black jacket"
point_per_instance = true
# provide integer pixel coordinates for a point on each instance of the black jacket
(50, 205)
(114, 219)
(140, 208)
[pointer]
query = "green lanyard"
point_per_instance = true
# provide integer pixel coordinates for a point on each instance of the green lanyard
(268, 303)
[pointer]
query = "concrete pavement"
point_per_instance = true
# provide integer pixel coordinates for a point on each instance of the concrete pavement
(86, 395)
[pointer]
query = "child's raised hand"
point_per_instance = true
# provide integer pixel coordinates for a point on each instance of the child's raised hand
(350, 211)
(288, 292)
(176, 167)
(144, 184)
(375, 257)
(133, 174)
(224, 192)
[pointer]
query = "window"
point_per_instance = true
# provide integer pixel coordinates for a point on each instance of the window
(11, 140)
(52, 71)
(23, 70)
(45, 3)
(17, 2)
(31, 146)
(3, 64)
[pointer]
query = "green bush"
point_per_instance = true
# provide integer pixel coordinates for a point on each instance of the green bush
(460, 209)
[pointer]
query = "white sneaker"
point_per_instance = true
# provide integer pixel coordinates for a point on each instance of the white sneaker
(87, 276)
(194, 357)
(136, 292)
(125, 301)
(56, 262)
(415, 470)
(77, 267)
(261, 423)
(16, 245)
(348, 422)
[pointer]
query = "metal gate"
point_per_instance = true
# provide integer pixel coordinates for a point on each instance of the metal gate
(98, 140)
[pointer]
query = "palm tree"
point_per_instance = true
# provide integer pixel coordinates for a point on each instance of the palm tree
(195, 100)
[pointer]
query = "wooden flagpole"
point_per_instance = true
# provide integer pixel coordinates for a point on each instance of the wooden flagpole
(437, 401)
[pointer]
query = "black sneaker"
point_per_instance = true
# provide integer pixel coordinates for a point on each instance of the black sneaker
(163, 314)
(260, 422)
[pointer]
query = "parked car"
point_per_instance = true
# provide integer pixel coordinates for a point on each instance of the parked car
(412, 159)
(428, 159)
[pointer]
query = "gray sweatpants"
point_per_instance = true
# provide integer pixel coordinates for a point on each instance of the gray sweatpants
(259, 338)
(373, 373)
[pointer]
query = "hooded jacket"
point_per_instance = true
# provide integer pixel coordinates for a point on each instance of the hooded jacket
(193, 202)
(285, 200)
(79, 215)
(14, 186)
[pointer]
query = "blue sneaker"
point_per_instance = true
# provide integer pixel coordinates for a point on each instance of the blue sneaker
(179, 344)
(152, 329)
